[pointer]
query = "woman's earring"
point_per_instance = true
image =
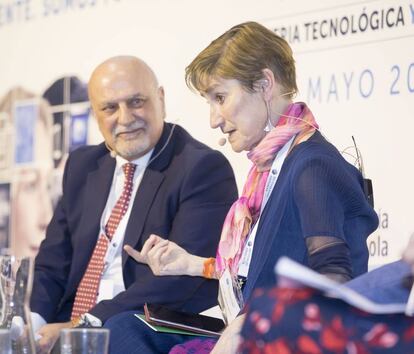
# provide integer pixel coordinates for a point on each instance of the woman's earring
(269, 125)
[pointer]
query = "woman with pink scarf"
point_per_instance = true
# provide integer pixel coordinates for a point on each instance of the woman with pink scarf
(301, 199)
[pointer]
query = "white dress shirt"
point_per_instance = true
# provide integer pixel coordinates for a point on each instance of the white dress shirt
(112, 282)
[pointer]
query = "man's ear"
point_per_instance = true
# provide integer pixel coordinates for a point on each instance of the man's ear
(161, 92)
(161, 96)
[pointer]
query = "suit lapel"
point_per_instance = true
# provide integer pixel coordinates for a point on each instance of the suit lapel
(150, 183)
(144, 198)
(269, 224)
(97, 189)
(267, 230)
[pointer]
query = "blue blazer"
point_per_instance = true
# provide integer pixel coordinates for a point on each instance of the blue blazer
(184, 196)
(318, 193)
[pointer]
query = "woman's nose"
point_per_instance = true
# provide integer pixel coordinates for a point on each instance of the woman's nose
(216, 119)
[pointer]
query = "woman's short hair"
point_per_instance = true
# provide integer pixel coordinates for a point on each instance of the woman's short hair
(242, 53)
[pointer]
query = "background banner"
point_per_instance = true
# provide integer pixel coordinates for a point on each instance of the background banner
(355, 66)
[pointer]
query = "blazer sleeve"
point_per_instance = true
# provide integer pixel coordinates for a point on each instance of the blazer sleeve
(206, 194)
(52, 264)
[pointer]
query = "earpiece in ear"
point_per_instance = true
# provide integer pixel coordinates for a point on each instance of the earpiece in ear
(265, 83)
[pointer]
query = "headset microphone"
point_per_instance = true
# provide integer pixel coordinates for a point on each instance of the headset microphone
(222, 141)
(112, 152)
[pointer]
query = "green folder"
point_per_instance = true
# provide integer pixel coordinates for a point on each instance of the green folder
(163, 329)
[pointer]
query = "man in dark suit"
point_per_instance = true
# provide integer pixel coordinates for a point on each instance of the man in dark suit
(178, 188)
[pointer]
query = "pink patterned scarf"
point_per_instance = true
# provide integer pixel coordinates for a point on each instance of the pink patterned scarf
(246, 210)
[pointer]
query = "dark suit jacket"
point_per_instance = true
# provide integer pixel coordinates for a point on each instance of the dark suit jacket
(184, 196)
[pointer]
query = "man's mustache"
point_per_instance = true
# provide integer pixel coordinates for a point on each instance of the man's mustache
(126, 129)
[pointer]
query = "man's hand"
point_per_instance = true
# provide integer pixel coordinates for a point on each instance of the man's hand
(166, 257)
(229, 341)
(150, 243)
(50, 334)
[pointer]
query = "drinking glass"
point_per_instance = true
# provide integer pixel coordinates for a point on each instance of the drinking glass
(84, 341)
(5, 341)
(16, 280)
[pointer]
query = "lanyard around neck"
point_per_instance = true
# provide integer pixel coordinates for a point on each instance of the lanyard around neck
(270, 184)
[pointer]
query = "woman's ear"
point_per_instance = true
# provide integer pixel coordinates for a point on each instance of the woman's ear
(268, 83)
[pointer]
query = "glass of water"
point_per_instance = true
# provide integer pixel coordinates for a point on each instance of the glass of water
(84, 341)
(5, 341)
(16, 278)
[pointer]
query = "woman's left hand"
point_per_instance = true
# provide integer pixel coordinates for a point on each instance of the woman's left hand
(166, 258)
(230, 339)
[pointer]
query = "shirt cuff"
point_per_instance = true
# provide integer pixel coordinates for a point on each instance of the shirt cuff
(37, 322)
(94, 321)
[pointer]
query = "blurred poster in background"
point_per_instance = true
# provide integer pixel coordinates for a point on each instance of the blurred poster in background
(25, 115)
(37, 133)
(4, 214)
(78, 130)
(5, 144)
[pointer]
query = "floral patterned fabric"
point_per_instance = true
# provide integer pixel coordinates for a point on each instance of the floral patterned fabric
(195, 346)
(303, 321)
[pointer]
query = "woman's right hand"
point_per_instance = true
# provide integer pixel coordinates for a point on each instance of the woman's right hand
(165, 257)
